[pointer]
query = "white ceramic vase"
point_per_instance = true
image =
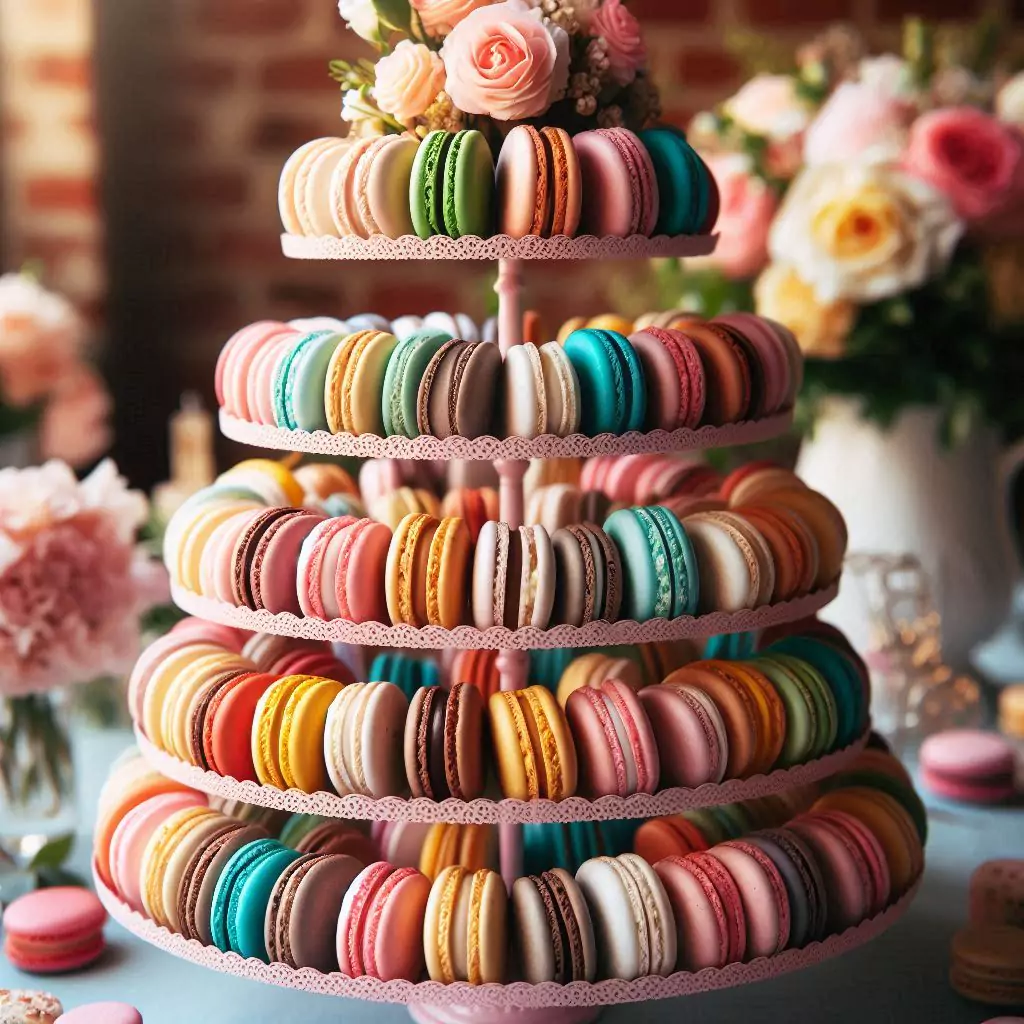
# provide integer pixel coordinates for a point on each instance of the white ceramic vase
(903, 493)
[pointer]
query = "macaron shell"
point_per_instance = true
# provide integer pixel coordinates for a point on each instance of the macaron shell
(292, 181)
(689, 750)
(610, 196)
(522, 183)
(384, 717)
(315, 909)
(387, 188)
(765, 902)
(469, 186)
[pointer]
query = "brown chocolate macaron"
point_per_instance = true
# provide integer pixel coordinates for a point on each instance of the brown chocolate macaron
(444, 743)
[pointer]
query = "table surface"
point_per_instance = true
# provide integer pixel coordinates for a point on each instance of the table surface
(899, 978)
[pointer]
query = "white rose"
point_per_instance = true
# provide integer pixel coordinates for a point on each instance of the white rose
(1010, 101)
(359, 110)
(863, 232)
(889, 76)
(361, 17)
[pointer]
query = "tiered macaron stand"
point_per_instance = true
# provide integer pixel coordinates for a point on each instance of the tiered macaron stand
(430, 1002)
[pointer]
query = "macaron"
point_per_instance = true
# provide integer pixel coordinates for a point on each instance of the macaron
(513, 577)
(969, 766)
(451, 189)
(632, 917)
(301, 921)
(449, 844)
(291, 195)
(407, 672)
(620, 188)
(554, 506)
(52, 931)
(671, 836)
(362, 740)
(379, 184)
(101, 1013)
(674, 376)
(588, 575)
(614, 740)
(406, 571)
(763, 894)
(405, 369)
(593, 669)
(996, 893)
(553, 935)
(391, 508)
(987, 964)
(474, 505)
(613, 390)
(443, 743)
(539, 188)
(448, 565)
(690, 734)
(457, 392)
(227, 724)
(727, 564)
(380, 929)
(464, 929)
(684, 183)
(535, 754)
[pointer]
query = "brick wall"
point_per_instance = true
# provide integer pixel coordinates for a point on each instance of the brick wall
(49, 157)
(202, 101)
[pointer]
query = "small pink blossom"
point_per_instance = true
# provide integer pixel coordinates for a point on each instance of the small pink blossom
(627, 52)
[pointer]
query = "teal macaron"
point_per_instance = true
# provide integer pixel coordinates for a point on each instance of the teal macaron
(646, 567)
(683, 182)
(223, 892)
(247, 908)
(307, 381)
(731, 646)
(402, 378)
(546, 667)
(408, 673)
(683, 562)
(297, 827)
(284, 379)
(613, 393)
(840, 675)
(469, 185)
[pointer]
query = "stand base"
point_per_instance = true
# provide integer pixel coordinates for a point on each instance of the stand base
(425, 1014)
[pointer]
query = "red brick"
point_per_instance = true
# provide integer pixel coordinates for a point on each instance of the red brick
(212, 187)
(954, 10)
(182, 129)
(205, 75)
(61, 69)
(786, 12)
(690, 11)
(706, 66)
(279, 134)
(54, 192)
(308, 73)
(251, 17)
(50, 248)
(392, 296)
(247, 248)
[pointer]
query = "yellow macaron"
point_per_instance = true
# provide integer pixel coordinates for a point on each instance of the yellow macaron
(266, 730)
(301, 744)
(161, 681)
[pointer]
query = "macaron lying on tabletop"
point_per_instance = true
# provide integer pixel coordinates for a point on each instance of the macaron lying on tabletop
(969, 766)
(52, 931)
(101, 1013)
(539, 183)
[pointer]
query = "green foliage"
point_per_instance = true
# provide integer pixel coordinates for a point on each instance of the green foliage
(394, 15)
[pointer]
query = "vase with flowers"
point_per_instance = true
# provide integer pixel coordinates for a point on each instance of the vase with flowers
(875, 205)
(73, 587)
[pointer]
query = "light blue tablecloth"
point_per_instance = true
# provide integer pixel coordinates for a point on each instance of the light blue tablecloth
(898, 979)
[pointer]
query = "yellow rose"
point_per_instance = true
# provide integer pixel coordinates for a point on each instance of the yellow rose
(863, 232)
(821, 328)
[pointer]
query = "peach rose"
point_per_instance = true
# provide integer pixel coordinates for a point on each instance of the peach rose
(969, 156)
(408, 80)
(821, 328)
(627, 52)
(506, 61)
(769, 105)
(439, 17)
(747, 208)
(863, 232)
(857, 122)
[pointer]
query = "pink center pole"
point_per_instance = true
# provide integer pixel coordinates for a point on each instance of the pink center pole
(513, 666)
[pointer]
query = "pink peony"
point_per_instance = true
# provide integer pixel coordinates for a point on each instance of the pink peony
(748, 206)
(627, 52)
(439, 17)
(408, 80)
(76, 423)
(40, 335)
(969, 156)
(506, 61)
(858, 122)
(72, 582)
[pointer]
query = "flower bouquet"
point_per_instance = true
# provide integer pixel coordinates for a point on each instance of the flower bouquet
(451, 64)
(73, 587)
(49, 394)
(871, 204)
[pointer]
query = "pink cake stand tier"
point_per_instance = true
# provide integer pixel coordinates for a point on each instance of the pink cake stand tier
(497, 247)
(517, 1003)
(594, 634)
(486, 811)
(493, 449)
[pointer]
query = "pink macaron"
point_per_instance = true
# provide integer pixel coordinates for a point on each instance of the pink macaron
(132, 835)
(359, 583)
(620, 191)
(101, 1013)
(259, 380)
(763, 893)
(52, 931)
(272, 574)
(693, 746)
(732, 902)
(874, 855)
(772, 356)
(675, 378)
(703, 937)
(317, 568)
(380, 928)
(212, 632)
(615, 744)
(236, 358)
(968, 765)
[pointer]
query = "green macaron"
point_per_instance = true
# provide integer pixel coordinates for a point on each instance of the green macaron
(306, 380)
(801, 710)
(826, 715)
(468, 202)
(426, 187)
(682, 562)
(646, 565)
(402, 379)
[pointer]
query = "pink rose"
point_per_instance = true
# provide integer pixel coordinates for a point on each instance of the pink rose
(857, 122)
(971, 157)
(439, 17)
(748, 206)
(506, 61)
(408, 80)
(620, 30)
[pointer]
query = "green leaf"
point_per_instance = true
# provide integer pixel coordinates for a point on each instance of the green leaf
(395, 14)
(53, 854)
